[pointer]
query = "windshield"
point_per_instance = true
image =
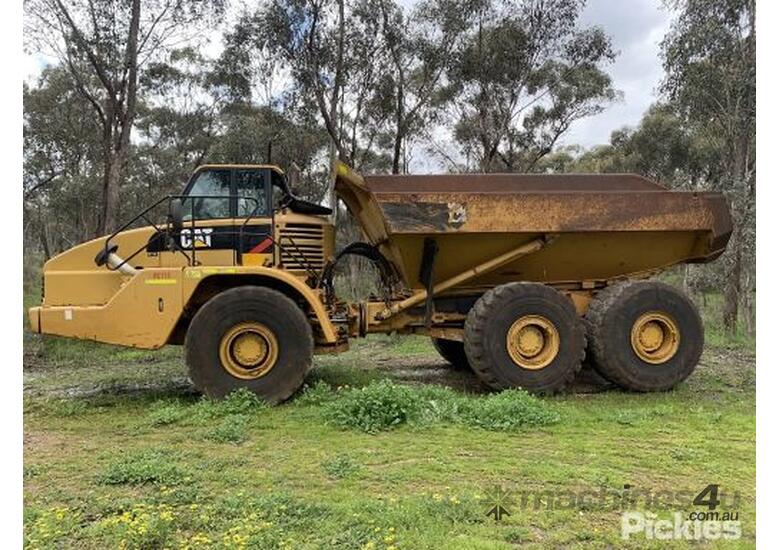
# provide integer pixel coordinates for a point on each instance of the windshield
(214, 184)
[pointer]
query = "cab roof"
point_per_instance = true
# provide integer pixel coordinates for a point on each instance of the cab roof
(273, 167)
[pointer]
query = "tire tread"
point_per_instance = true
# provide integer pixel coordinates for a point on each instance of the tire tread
(476, 326)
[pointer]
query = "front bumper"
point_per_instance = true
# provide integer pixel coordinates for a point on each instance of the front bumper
(34, 314)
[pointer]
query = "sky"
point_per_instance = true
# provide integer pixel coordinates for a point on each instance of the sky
(636, 28)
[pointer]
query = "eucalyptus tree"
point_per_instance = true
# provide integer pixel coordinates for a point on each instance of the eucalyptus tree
(525, 74)
(61, 150)
(421, 44)
(709, 57)
(178, 122)
(328, 49)
(110, 42)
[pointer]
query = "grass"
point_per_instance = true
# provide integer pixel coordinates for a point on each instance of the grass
(340, 466)
(231, 429)
(144, 466)
(371, 454)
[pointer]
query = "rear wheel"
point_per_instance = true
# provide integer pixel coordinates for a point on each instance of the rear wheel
(524, 335)
(249, 337)
(452, 351)
(644, 336)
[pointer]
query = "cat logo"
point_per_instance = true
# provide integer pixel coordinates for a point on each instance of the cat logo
(457, 214)
(201, 238)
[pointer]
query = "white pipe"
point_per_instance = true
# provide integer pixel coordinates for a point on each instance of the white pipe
(115, 262)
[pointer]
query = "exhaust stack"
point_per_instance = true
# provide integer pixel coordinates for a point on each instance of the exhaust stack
(109, 258)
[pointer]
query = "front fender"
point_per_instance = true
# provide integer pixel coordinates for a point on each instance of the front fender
(194, 277)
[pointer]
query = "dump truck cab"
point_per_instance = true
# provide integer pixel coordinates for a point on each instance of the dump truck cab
(251, 212)
(231, 225)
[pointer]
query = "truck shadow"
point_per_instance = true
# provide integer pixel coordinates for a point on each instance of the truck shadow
(438, 372)
(180, 387)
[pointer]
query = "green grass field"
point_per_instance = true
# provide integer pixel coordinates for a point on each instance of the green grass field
(120, 452)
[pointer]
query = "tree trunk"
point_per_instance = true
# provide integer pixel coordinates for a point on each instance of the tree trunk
(748, 312)
(120, 117)
(105, 211)
(112, 191)
(397, 153)
(399, 122)
(733, 286)
(44, 236)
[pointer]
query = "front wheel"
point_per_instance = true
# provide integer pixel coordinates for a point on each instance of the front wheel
(249, 337)
(525, 335)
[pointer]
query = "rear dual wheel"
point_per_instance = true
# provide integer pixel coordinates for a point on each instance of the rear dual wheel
(644, 336)
(525, 335)
(453, 352)
(249, 337)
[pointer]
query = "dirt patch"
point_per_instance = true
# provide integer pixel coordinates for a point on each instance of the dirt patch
(180, 386)
(732, 368)
(432, 369)
(38, 440)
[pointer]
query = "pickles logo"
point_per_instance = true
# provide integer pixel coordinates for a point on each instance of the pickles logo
(678, 527)
(198, 238)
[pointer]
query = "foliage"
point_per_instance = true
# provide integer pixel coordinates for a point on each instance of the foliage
(64, 408)
(231, 429)
(424, 485)
(508, 410)
(165, 414)
(148, 466)
(241, 401)
(132, 103)
(378, 406)
(383, 405)
(104, 46)
(317, 394)
(710, 63)
(61, 163)
(47, 528)
(142, 526)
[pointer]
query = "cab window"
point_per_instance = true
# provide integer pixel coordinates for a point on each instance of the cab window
(278, 188)
(210, 196)
(251, 193)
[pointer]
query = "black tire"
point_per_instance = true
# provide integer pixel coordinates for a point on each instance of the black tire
(249, 304)
(610, 318)
(452, 351)
(490, 320)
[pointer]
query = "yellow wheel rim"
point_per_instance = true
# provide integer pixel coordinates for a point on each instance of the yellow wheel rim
(655, 337)
(532, 342)
(248, 350)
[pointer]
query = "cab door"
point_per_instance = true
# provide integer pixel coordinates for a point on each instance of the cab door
(208, 212)
(253, 227)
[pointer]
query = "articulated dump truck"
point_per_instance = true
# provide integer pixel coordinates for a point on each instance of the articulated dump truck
(517, 277)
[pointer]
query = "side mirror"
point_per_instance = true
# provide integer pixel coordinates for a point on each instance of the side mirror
(175, 216)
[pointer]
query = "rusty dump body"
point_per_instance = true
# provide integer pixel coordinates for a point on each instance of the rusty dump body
(593, 227)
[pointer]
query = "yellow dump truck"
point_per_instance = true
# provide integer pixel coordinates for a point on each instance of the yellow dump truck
(514, 276)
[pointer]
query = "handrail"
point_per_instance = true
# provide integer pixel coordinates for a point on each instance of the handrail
(192, 260)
